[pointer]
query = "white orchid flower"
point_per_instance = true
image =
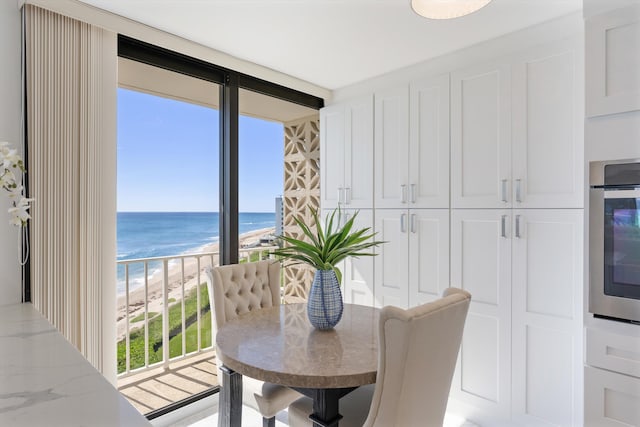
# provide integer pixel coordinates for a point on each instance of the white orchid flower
(11, 166)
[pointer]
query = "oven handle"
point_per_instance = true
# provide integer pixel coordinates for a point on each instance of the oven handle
(622, 194)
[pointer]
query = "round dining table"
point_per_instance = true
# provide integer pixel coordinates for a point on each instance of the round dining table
(279, 345)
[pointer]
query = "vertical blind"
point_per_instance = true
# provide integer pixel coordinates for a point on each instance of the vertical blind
(71, 84)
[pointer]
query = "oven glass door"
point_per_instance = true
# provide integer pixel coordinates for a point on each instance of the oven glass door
(622, 243)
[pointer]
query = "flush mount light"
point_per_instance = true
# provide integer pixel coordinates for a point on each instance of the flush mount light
(446, 9)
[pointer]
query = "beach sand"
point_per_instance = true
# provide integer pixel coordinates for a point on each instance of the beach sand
(191, 279)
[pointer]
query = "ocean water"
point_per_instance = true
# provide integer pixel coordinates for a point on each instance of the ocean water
(156, 234)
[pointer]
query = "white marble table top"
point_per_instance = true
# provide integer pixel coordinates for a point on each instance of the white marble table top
(45, 381)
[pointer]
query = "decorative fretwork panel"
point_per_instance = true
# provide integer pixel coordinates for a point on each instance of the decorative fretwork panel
(301, 193)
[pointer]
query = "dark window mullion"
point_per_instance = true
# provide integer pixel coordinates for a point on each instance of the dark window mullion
(229, 113)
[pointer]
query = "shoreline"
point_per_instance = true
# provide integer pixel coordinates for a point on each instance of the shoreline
(175, 282)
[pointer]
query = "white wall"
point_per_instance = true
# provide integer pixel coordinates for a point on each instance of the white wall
(10, 107)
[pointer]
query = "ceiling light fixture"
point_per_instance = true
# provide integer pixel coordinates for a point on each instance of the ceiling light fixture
(446, 9)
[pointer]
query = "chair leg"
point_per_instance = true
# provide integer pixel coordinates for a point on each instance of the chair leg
(269, 422)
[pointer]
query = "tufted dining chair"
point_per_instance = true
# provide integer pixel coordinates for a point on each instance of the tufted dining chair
(417, 355)
(235, 290)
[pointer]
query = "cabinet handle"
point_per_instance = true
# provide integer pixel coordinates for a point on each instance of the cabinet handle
(413, 223)
(519, 190)
(503, 227)
(403, 193)
(413, 193)
(503, 186)
(518, 227)
(403, 226)
(347, 196)
(340, 195)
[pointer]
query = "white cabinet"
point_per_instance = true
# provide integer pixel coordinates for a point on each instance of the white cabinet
(521, 350)
(547, 128)
(516, 131)
(612, 381)
(613, 62)
(413, 266)
(357, 273)
(391, 147)
(481, 264)
(611, 400)
(481, 136)
(346, 144)
(428, 254)
(412, 145)
(547, 252)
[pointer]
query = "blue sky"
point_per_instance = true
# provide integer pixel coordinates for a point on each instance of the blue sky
(168, 157)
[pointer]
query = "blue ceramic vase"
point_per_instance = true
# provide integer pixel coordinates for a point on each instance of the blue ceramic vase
(324, 306)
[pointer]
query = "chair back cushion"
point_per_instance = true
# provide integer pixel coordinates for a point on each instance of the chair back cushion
(417, 357)
(240, 288)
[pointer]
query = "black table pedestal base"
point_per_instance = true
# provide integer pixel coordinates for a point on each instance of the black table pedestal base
(325, 404)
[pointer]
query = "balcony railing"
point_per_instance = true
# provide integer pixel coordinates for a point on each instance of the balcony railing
(169, 303)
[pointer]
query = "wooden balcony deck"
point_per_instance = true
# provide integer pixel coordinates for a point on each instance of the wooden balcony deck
(157, 387)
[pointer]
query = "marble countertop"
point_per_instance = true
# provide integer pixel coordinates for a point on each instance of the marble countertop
(280, 346)
(45, 381)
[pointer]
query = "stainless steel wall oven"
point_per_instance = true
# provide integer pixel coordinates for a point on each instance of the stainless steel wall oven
(614, 239)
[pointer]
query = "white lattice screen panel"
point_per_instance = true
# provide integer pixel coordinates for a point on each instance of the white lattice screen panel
(301, 192)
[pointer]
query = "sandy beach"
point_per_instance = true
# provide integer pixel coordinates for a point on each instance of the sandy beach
(176, 272)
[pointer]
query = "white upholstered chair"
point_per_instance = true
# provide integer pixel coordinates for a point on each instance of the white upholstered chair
(418, 349)
(238, 289)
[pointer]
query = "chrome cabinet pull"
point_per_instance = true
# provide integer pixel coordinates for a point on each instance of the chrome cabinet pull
(518, 226)
(403, 226)
(413, 193)
(519, 190)
(503, 227)
(503, 184)
(413, 223)
(347, 196)
(340, 195)
(403, 195)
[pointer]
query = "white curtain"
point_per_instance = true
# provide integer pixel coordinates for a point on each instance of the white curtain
(71, 84)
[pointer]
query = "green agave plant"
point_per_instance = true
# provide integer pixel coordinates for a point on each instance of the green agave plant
(329, 245)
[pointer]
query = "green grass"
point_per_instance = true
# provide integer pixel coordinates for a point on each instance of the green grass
(255, 256)
(140, 317)
(136, 337)
(175, 345)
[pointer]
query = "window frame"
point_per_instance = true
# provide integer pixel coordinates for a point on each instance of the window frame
(230, 83)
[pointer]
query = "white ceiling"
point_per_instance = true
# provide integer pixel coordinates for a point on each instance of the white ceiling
(332, 43)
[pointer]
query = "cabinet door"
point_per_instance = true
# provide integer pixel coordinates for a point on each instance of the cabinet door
(611, 400)
(429, 143)
(481, 137)
(547, 251)
(612, 64)
(357, 273)
(392, 263)
(548, 149)
(358, 153)
(481, 264)
(392, 148)
(332, 132)
(428, 254)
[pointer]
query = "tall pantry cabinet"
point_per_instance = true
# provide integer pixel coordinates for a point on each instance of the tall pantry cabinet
(412, 191)
(478, 183)
(346, 147)
(516, 233)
